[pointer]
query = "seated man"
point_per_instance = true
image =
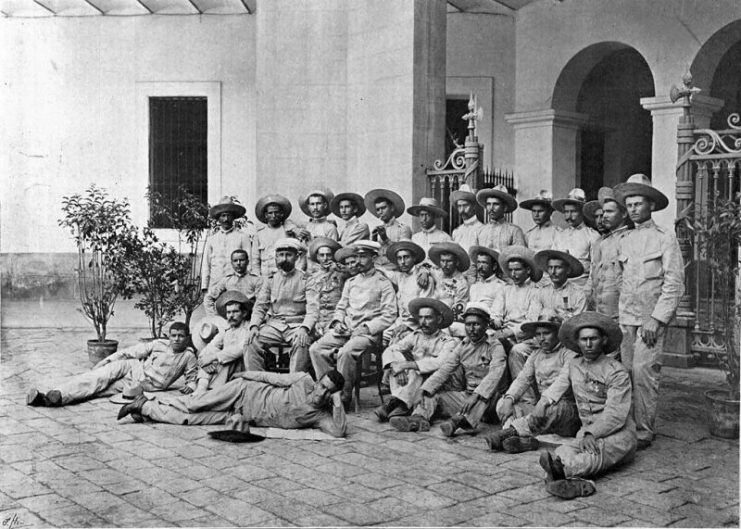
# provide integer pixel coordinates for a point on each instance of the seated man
(387, 206)
(540, 370)
(350, 207)
(428, 211)
(366, 308)
(285, 311)
(153, 365)
(603, 394)
(487, 282)
(223, 356)
(240, 279)
(410, 361)
(451, 286)
(468, 384)
(262, 399)
(326, 280)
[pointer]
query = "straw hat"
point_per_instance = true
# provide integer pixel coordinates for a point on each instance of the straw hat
(547, 318)
(607, 194)
(199, 335)
(569, 334)
(576, 269)
(441, 308)
(499, 191)
(320, 242)
(334, 204)
(128, 394)
(576, 197)
(265, 201)
(640, 185)
(520, 253)
(543, 198)
(417, 251)
(238, 431)
(427, 204)
(477, 308)
(227, 205)
(232, 296)
(464, 192)
(397, 203)
(474, 252)
(450, 247)
(590, 211)
(303, 200)
(344, 252)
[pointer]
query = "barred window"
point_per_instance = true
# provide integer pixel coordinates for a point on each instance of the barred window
(178, 156)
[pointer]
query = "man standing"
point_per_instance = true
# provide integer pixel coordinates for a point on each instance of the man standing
(223, 241)
(350, 207)
(273, 211)
(428, 211)
(240, 279)
(601, 386)
(315, 205)
(468, 232)
(387, 206)
(367, 307)
(285, 311)
(577, 238)
(541, 235)
(593, 215)
(652, 285)
(468, 384)
(497, 233)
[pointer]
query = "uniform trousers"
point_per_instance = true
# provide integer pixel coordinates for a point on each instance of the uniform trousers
(103, 381)
(561, 418)
(254, 356)
(445, 404)
(349, 350)
(616, 448)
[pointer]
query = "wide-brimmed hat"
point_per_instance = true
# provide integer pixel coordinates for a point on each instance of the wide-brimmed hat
(129, 392)
(427, 204)
(289, 243)
(547, 318)
(520, 253)
(474, 251)
(464, 192)
(237, 431)
(227, 205)
(607, 194)
(543, 198)
(476, 308)
(386, 194)
(576, 197)
(303, 200)
(569, 333)
(320, 242)
(344, 252)
(232, 296)
(498, 191)
(590, 211)
(449, 247)
(576, 269)
(639, 184)
(197, 321)
(334, 204)
(265, 201)
(417, 251)
(441, 308)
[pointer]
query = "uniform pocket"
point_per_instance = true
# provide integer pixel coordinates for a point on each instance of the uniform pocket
(652, 266)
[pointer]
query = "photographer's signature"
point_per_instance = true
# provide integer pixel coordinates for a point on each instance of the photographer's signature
(11, 521)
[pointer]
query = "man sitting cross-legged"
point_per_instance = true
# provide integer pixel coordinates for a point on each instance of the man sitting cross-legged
(540, 370)
(411, 360)
(152, 365)
(259, 398)
(603, 394)
(468, 384)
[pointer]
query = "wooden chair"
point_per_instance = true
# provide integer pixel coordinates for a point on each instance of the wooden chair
(368, 371)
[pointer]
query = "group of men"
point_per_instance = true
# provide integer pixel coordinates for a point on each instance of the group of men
(548, 330)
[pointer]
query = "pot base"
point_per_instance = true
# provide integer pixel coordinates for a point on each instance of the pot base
(97, 351)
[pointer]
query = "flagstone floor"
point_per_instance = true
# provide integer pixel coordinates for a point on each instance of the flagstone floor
(77, 466)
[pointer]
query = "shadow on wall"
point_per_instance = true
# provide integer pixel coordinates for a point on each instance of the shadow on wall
(31, 276)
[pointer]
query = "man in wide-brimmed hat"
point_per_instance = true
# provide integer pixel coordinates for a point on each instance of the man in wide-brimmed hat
(222, 241)
(240, 279)
(411, 360)
(542, 234)
(154, 366)
(386, 206)
(605, 275)
(592, 212)
(273, 211)
(288, 401)
(451, 285)
(602, 388)
(497, 233)
(539, 372)
(467, 233)
(326, 280)
(350, 207)
(315, 205)
(652, 285)
(466, 387)
(366, 308)
(428, 211)
(488, 282)
(576, 238)
(285, 311)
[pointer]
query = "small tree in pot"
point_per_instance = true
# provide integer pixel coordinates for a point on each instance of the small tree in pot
(100, 226)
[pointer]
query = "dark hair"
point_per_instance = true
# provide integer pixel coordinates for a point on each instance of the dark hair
(240, 250)
(382, 199)
(180, 326)
(338, 381)
(245, 306)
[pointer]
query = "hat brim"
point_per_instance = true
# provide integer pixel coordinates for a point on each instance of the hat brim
(438, 212)
(576, 269)
(508, 199)
(590, 210)
(235, 436)
(529, 327)
(235, 209)
(630, 189)
(568, 335)
(442, 309)
(516, 253)
(303, 200)
(199, 317)
(561, 202)
(321, 242)
(265, 201)
(334, 205)
(417, 251)
(232, 296)
(438, 248)
(119, 398)
(529, 203)
(396, 201)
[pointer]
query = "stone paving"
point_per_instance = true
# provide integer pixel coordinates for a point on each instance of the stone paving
(78, 467)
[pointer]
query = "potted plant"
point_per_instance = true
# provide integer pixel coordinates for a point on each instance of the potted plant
(100, 225)
(718, 234)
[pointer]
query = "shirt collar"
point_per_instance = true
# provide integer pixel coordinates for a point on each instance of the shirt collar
(434, 228)
(222, 230)
(392, 222)
(472, 220)
(648, 224)
(319, 220)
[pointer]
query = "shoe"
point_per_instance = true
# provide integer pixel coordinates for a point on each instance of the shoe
(35, 398)
(451, 425)
(571, 488)
(414, 423)
(135, 406)
(347, 404)
(399, 410)
(53, 399)
(496, 439)
(382, 411)
(520, 443)
(644, 443)
(553, 467)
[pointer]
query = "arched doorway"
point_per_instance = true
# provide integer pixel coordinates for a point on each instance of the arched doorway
(604, 83)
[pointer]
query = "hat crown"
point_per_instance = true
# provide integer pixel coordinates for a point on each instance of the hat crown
(549, 316)
(544, 194)
(465, 188)
(477, 305)
(228, 201)
(501, 187)
(577, 194)
(207, 331)
(429, 202)
(366, 246)
(605, 194)
(639, 178)
(288, 242)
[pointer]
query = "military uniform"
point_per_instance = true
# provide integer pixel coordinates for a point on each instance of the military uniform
(217, 253)
(426, 238)
(652, 285)
(500, 234)
(541, 237)
(485, 290)
(605, 275)
(407, 289)
(395, 231)
(451, 290)
(577, 242)
(327, 283)
(352, 231)
(228, 349)
(514, 305)
(248, 284)
(262, 260)
(467, 233)
(322, 227)
(602, 391)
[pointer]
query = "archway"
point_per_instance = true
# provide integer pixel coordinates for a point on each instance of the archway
(604, 83)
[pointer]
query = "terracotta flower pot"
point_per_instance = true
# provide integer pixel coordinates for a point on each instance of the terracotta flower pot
(97, 351)
(724, 413)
